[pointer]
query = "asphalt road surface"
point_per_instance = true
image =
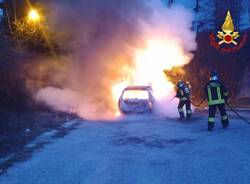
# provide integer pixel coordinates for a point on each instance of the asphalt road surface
(141, 150)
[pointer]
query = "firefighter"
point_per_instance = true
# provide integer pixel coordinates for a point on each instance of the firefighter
(217, 95)
(183, 93)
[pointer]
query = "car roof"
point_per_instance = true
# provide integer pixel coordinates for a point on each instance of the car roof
(138, 88)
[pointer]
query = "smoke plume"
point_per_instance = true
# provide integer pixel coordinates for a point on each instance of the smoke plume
(99, 39)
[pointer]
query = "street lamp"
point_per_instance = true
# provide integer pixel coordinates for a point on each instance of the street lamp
(34, 16)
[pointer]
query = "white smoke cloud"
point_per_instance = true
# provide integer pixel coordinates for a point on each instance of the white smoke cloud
(99, 39)
(173, 25)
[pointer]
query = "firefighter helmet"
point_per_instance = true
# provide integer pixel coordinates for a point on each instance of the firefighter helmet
(214, 75)
(180, 83)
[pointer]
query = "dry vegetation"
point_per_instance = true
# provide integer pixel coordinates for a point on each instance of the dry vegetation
(21, 119)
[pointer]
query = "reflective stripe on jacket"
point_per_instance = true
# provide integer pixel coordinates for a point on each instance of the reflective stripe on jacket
(216, 93)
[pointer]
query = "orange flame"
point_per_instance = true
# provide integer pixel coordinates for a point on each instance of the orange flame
(148, 66)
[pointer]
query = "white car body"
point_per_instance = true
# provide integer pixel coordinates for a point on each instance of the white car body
(136, 99)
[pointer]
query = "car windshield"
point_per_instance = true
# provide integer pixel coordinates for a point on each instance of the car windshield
(135, 94)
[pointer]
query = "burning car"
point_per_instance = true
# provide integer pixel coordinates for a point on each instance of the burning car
(136, 99)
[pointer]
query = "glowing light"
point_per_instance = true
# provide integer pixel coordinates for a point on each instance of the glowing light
(117, 89)
(34, 16)
(135, 94)
(150, 61)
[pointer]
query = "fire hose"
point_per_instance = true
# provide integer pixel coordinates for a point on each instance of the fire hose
(237, 114)
(194, 103)
(230, 107)
(198, 104)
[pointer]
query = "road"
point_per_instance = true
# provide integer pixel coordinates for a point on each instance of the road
(141, 150)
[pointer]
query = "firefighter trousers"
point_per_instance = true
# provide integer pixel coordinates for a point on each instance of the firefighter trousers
(223, 113)
(186, 103)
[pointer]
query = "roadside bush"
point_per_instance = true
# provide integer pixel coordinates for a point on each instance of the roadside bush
(33, 36)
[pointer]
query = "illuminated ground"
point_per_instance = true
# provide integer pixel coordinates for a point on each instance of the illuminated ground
(145, 150)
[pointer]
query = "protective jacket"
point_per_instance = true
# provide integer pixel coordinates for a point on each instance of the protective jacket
(183, 93)
(216, 92)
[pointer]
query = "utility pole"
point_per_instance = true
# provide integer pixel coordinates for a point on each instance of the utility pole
(4, 5)
(14, 8)
(170, 3)
(197, 22)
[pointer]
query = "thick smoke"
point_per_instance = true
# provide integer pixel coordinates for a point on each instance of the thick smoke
(98, 38)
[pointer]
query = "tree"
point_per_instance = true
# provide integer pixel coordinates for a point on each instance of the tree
(248, 7)
(197, 6)
(9, 8)
(197, 23)
(213, 13)
(237, 10)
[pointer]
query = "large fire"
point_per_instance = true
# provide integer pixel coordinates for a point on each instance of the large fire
(139, 43)
(149, 65)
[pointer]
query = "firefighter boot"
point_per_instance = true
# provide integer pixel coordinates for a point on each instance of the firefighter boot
(225, 122)
(189, 114)
(182, 116)
(210, 124)
(210, 128)
(225, 125)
